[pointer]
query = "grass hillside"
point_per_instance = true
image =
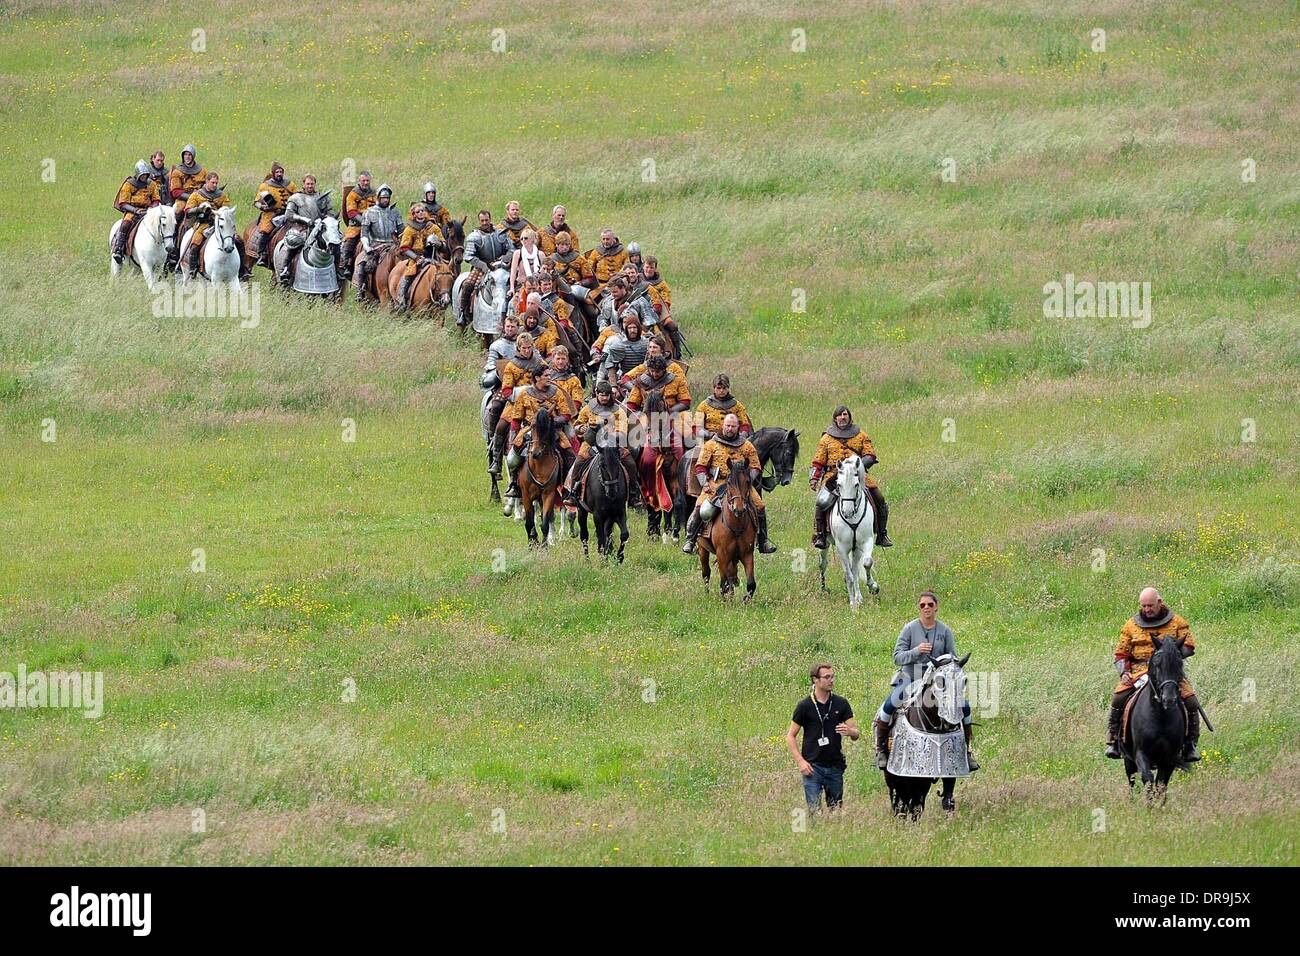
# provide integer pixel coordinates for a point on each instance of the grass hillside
(535, 708)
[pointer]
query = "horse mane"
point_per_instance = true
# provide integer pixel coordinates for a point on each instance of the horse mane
(1168, 654)
(543, 430)
(738, 479)
(654, 402)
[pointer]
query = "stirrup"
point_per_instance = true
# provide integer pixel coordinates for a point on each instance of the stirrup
(971, 761)
(1191, 753)
(1112, 749)
(882, 540)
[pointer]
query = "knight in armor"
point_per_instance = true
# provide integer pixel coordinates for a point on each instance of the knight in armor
(359, 198)
(439, 214)
(514, 224)
(572, 274)
(158, 171)
(919, 642)
(379, 225)
(134, 197)
(726, 450)
(564, 377)
(642, 295)
(619, 298)
(842, 440)
(652, 349)
(602, 422)
(501, 350)
(272, 196)
(486, 249)
(634, 258)
(606, 261)
(300, 213)
(421, 239)
(558, 224)
(1153, 620)
(200, 212)
(540, 393)
(624, 352)
(517, 374)
(184, 178)
(721, 403)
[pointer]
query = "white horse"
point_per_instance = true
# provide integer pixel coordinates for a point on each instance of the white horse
(220, 255)
(490, 302)
(851, 523)
(154, 240)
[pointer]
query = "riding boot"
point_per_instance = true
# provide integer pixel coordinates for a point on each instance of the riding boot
(765, 546)
(676, 336)
(819, 529)
(1191, 746)
(882, 518)
(259, 240)
(498, 452)
(346, 257)
(466, 304)
(399, 303)
(1117, 703)
(192, 259)
(633, 486)
(119, 241)
(359, 280)
(692, 532)
(513, 490)
(970, 754)
(882, 743)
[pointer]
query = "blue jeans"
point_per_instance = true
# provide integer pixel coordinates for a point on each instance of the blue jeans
(828, 779)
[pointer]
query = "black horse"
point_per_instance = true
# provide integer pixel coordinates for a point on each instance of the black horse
(777, 447)
(936, 710)
(1157, 725)
(605, 499)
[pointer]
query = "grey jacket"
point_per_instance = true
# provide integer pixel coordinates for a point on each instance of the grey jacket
(910, 661)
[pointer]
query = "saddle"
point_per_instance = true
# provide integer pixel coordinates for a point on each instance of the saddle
(130, 236)
(1139, 686)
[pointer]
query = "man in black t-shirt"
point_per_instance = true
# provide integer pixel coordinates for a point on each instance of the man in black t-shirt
(824, 718)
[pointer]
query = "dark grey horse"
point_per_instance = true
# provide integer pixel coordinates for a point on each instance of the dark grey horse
(936, 710)
(1157, 725)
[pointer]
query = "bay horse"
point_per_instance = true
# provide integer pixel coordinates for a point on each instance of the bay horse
(454, 236)
(272, 240)
(935, 709)
(605, 498)
(731, 535)
(777, 447)
(431, 288)
(660, 484)
(1152, 743)
(539, 477)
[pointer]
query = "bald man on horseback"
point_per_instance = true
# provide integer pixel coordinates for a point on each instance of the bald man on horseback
(1154, 620)
(726, 450)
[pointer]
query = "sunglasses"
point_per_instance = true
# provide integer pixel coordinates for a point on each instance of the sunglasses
(928, 604)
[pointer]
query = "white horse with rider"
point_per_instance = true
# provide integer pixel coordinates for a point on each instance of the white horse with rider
(219, 255)
(851, 523)
(155, 238)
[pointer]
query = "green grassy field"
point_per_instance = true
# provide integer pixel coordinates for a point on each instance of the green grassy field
(495, 685)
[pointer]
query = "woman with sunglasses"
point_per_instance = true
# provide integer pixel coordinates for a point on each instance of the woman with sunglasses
(919, 642)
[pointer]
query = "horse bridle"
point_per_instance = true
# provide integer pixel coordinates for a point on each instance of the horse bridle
(853, 525)
(164, 237)
(528, 465)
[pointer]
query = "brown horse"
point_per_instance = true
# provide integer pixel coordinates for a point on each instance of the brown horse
(731, 535)
(454, 236)
(432, 286)
(539, 477)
